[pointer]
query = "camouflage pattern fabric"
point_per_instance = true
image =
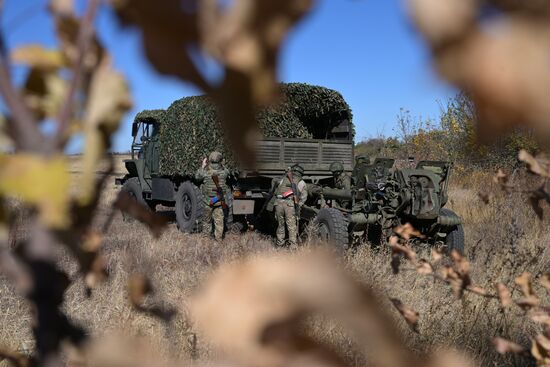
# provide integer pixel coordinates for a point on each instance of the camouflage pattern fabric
(208, 187)
(284, 209)
(343, 182)
(214, 217)
(284, 212)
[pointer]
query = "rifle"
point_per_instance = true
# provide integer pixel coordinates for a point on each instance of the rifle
(219, 192)
(268, 198)
(295, 197)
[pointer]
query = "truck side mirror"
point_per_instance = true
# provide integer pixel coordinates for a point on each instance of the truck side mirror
(134, 129)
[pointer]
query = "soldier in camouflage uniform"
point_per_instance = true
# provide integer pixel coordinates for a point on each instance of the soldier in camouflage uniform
(285, 211)
(340, 180)
(216, 207)
(362, 164)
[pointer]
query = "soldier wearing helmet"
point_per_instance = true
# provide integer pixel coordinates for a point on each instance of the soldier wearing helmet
(290, 195)
(213, 178)
(340, 180)
(362, 164)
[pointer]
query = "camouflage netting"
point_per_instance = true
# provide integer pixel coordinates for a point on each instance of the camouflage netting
(190, 128)
(150, 115)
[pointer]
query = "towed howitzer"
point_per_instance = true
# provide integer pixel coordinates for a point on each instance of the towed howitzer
(393, 197)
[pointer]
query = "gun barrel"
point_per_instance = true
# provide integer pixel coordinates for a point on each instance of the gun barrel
(329, 193)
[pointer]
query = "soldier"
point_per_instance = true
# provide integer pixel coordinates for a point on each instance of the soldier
(340, 181)
(291, 194)
(213, 176)
(362, 163)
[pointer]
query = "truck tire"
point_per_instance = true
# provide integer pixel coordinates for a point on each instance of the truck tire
(331, 225)
(133, 188)
(189, 207)
(455, 238)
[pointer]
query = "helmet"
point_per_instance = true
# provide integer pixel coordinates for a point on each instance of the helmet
(215, 157)
(362, 158)
(297, 169)
(336, 167)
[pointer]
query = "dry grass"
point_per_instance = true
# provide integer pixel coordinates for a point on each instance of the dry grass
(503, 239)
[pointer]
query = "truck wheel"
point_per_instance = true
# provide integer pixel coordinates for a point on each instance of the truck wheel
(455, 238)
(133, 188)
(189, 207)
(331, 225)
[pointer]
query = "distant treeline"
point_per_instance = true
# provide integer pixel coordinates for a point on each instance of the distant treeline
(452, 138)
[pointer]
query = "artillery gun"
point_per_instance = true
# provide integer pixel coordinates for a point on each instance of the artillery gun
(382, 199)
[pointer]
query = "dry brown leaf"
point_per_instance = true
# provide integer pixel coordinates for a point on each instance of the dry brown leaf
(139, 287)
(503, 66)
(544, 342)
(109, 99)
(93, 264)
(17, 359)
(411, 316)
(403, 250)
(451, 358)
(477, 290)
(407, 231)
(533, 164)
(96, 272)
(545, 280)
(457, 281)
(155, 222)
(503, 346)
(504, 295)
(67, 28)
(462, 265)
(252, 310)
(441, 21)
(424, 267)
(92, 242)
(524, 282)
(528, 302)
(539, 316)
(437, 254)
(501, 178)
(540, 350)
(44, 93)
(62, 7)
(245, 37)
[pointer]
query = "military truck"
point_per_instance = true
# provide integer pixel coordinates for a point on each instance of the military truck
(313, 127)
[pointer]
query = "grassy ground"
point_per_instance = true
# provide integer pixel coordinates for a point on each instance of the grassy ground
(503, 238)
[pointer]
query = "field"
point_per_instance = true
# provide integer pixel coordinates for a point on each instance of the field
(504, 238)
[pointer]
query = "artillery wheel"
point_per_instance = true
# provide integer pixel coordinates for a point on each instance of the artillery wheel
(189, 207)
(133, 188)
(455, 238)
(331, 225)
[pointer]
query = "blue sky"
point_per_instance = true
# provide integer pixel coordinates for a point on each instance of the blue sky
(366, 49)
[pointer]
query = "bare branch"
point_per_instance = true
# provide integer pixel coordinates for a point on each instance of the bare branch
(85, 35)
(26, 134)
